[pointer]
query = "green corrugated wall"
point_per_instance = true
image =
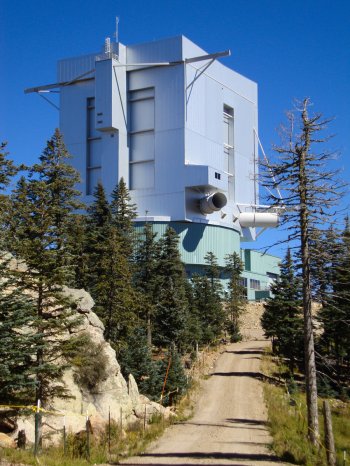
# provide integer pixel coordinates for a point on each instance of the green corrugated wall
(196, 239)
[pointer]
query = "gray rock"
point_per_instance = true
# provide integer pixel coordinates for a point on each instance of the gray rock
(112, 395)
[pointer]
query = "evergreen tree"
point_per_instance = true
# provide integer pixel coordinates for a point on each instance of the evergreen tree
(136, 359)
(173, 374)
(324, 250)
(172, 306)
(117, 301)
(282, 319)
(123, 213)
(335, 314)
(41, 207)
(99, 225)
(235, 296)
(207, 301)
(213, 273)
(78, 246)
(99, 211)
(7, 171)
(7, 167)
(109, 278)
(146, 259)
(18, 338)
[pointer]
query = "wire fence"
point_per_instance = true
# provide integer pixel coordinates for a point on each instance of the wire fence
(48, 431)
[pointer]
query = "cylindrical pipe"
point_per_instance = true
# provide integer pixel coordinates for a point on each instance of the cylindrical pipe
(258, 219)
(212, 203)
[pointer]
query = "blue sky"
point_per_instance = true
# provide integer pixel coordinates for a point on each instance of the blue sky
(292, 49)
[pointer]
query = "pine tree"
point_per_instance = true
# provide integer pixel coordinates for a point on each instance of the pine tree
(7, 167)
(310, 189)
(117, 301)
(18, 338)
(324, 250)
(98, 225)
(172, 306)
(146, 259)
(235, 296)
(7, 171)
(213, 273)
(40, 208)
(109, 278)
(335, 314)
(173, 374)
(123, 213)
(282, 319)
(78, 246)
(207, 301)
(136, 359)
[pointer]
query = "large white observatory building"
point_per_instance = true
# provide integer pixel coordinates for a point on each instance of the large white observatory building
(181, 129)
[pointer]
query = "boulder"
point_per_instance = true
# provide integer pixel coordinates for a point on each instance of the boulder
(133, 390)
(112, 395)
(6, 441)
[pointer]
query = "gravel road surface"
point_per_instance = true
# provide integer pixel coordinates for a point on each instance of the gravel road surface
(229, 424)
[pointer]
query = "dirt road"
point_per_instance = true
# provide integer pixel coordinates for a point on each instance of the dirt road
(229, 424)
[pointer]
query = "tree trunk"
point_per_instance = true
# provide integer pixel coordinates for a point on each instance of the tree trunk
(309, 347)
(328, 431)
(149, 329)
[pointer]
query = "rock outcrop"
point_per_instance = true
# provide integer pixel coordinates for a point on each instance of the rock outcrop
(112, 395)
(6, 441)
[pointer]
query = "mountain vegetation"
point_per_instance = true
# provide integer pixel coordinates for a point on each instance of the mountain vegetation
(151, 312)
(310, 191)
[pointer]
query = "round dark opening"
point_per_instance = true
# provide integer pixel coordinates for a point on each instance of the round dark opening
(219, 200)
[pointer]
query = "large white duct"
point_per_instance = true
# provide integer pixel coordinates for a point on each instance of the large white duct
(258, 219)
(212, 202)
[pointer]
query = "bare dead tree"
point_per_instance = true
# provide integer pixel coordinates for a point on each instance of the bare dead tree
(309, 191)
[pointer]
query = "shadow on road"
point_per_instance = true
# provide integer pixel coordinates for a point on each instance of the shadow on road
(225, 426)
(215, 455)
(251, 422)
(254, 375)
(252, 351)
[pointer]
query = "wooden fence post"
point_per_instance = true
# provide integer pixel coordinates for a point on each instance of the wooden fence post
(109, 431)
(328, 432)
(88, 430)
(37, 440)
(64, 436)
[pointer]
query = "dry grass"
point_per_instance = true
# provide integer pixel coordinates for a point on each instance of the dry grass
(288, 423)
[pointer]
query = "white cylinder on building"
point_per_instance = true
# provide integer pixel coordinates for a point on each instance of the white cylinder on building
(258, 219)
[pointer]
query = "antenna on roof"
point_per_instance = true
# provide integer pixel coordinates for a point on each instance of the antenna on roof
(107, 46)
(116, 29)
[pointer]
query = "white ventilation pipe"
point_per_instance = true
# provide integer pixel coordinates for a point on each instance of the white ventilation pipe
(212, 202)
(258, 219)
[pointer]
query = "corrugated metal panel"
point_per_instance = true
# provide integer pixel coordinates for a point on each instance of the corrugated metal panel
(262, 263)
(156, 51)
(70, 68)
(196, 240)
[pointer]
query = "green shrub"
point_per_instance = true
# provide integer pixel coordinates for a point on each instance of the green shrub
(90, 365)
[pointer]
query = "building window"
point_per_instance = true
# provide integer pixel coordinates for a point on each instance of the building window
(243, 282)
(271, 275)
(255, 284)
(217, 176)
(141, 123)
(93, 149)
(228, 129)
